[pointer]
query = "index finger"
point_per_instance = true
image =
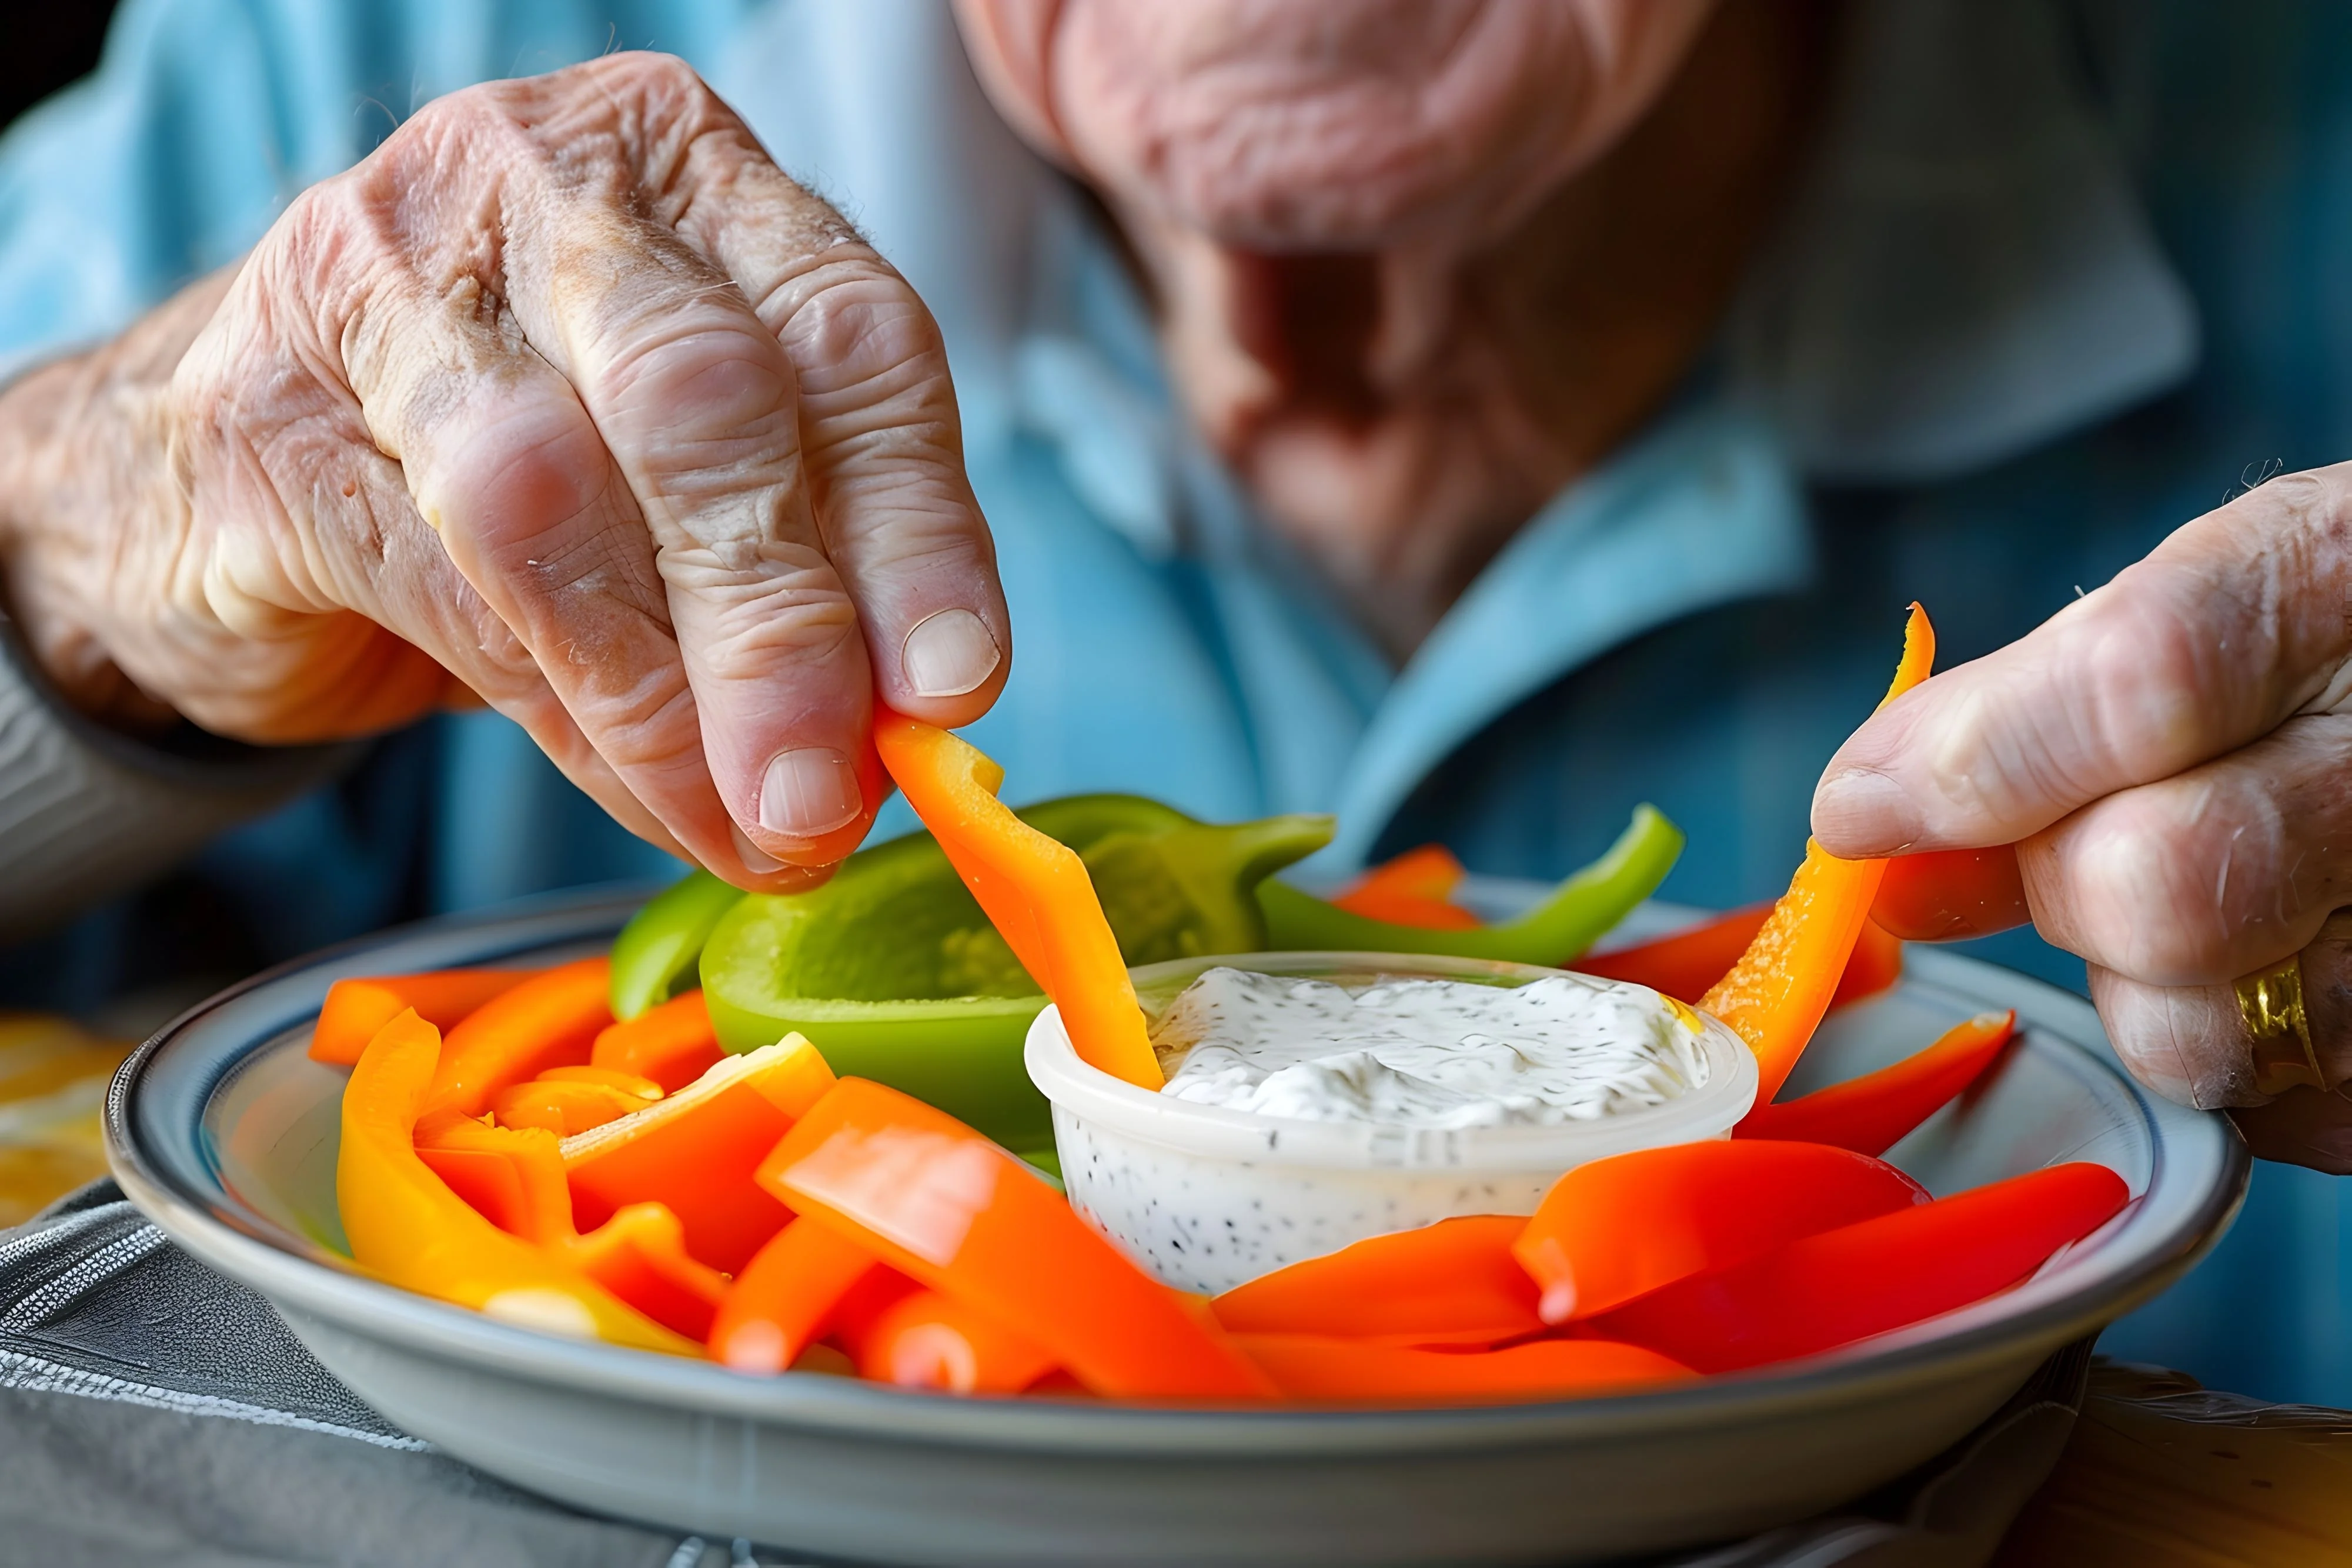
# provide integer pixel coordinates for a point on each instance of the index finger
(2239, 621)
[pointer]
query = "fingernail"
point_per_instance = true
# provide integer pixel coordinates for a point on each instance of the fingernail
(757, 860)
(949, 654)
(1859, 811)
(809, 792)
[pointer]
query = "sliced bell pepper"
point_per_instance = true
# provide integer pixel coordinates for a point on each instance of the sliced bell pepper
(1872, 1113)
(673, 1043)
(1034, 889)
(354, 1009)
(926, 1340)
(1774, 997)
(640, 1256)
(568, 1100)
(1577, 914)
(1413, 889)
(408, 1229)
(1834, 1287)
(1687, 964)
(1353, 1371)
(549, 1021)
(862, 1306)
(663, 942)
(786, 1295)
(696, 1152)
(1610, 1230)
(1452, 1283)
(512, 1177)
(944, 1206)
(1944, 895)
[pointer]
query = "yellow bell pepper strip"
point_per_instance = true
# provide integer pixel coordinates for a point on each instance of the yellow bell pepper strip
(784, 1298)
(1331, 1370)
(1413, 889)
(926, 1340)
(1872, 1113)
(1835, 1287)
(695, 1151)
(1687, 964)
(1454, 1282)
(409, 1230)
(1579, 912)
(1614, 1228)
(663, 942)
(640, 1256)
(1035, 890)
(949, 1208)
(673, 1044)
(551, 1019)
(568, 1100)
(355, 1008)
(512, 1177)
(1774, 997)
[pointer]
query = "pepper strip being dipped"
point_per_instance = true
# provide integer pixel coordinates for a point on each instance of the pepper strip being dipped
(408, 1229)
(939, 1202)
(1454, 1282)
(1687, 964)
(1834, 1287)
(1035, 890)
(1872, 1113)
(1774, 997)
(1614, 1228)
(355, 1008)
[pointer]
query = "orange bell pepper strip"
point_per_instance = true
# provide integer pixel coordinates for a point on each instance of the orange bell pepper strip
(1834, 1287)
(640, 1256)
(1036, 891)
(785, 1297)
(407, 1227)
(1685, 964)
(1413, 889)
(1872, 1113)
(1617, 1227)
(1774, 997)
(1944, 895)
(926, 1340)
(944, 1206)
(549, 1021)
(355, 1008)
(568, 1100)
(1454, 1282)
(697, 1150)
(1354, 1371)
(512, 1177)
(673, 1044)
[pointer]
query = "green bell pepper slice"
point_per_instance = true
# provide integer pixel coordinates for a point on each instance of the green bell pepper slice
(663, 942)
(1580, 912)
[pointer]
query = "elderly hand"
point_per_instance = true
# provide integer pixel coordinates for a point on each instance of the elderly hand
(2172, 758)
(567, 397)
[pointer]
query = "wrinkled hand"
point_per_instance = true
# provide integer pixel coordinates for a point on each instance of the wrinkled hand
(566, 397)
(2172, 758)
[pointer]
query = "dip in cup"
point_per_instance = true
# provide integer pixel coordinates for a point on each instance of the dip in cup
(1207, 1197)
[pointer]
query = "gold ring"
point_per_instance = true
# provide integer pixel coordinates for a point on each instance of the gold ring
(2270, 1001)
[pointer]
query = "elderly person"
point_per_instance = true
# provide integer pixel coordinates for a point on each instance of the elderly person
(1467, 416)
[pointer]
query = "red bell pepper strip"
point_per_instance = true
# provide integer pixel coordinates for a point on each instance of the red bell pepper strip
(786, 1295)
(1617, 1227)
(1036, 891)
(862, 1307)
(1870, 1115)
(940, 1203)
(673, 1044)
(356, 1008)
(1414, 889)
(1687, 964)
(1354, 1371)
(926, 1340)
(640, 1256)
(1454, 1282)
(1834, 1287)
(513, 1177)
(568, 1100)
(1943, 896)
(1774, 997)
(697, 1150)
(549, 1021)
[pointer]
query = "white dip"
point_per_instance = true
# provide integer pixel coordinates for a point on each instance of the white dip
(1427, 1053)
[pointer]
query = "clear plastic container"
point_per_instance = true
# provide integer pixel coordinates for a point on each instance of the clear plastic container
(1207, 1197)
